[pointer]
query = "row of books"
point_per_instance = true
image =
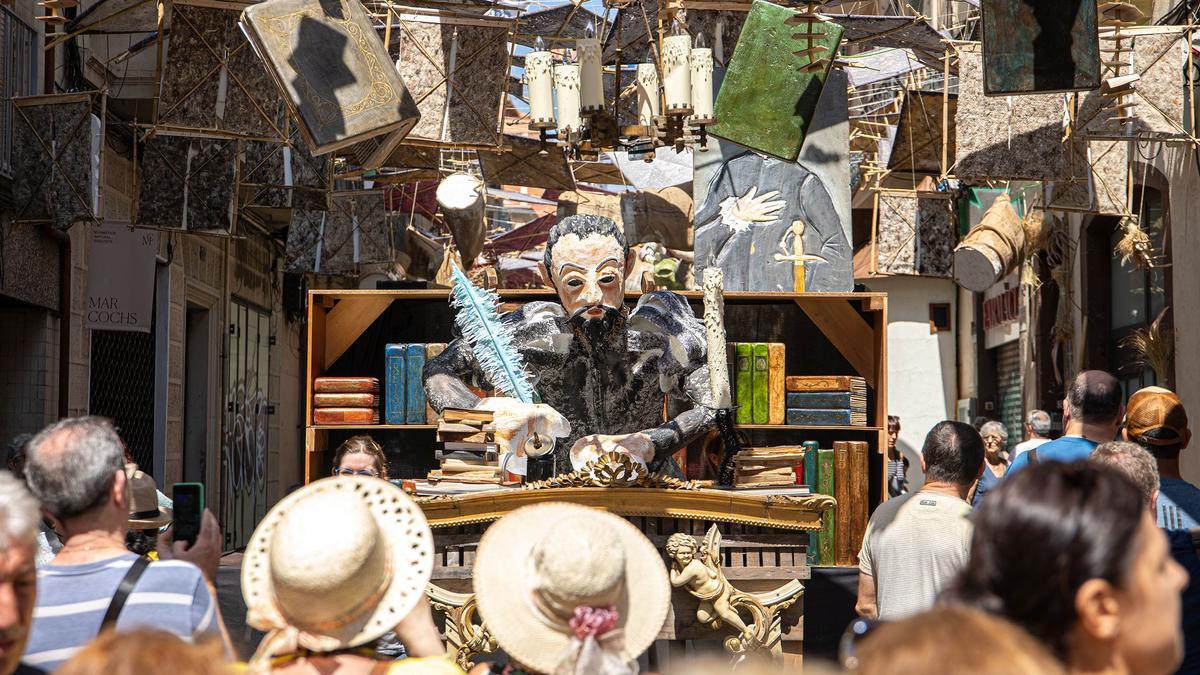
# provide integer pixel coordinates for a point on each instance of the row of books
(842, 472)
(765, 394)
(346, 400)
(468, 453)
(404, 388)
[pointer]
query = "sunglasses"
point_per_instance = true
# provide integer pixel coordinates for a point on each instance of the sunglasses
(848, 646)
(355, 472)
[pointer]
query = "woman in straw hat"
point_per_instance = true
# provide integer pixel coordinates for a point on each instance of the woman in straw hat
(568, 590)
(333, 567)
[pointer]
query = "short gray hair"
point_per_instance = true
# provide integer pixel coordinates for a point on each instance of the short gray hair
(71, 464)
(993, 427)
(1134, 462)
(1039, 421)
(19, 513)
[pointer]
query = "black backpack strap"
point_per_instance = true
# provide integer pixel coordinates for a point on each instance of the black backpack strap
(1033, 457)
(123, 590)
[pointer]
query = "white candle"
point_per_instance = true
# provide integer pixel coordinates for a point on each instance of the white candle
(677, 76)
(540, 78)
(647, 88)
(566, 86)
(702, 91)
(590, 71)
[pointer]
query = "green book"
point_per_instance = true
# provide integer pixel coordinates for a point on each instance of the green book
(743, 382)
(825, 487)
(760, 385)
(769, 94)
(811, 448)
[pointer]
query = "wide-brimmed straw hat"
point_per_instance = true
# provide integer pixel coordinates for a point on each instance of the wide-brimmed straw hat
(144, 511)
(336, 564)
(545, 573)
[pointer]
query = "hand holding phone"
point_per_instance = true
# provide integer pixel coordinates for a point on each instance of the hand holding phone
(188, 511)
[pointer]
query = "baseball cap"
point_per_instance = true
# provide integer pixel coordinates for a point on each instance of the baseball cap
(1155, 416)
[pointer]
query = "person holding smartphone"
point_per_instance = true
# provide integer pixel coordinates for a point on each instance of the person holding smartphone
(76, 469)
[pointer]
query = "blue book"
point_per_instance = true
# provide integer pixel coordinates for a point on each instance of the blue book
(813, 551)
(818, 418)
(394, 376)
(414, 388)
(819, 400)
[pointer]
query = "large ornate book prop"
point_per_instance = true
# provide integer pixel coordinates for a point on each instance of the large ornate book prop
(335, 74)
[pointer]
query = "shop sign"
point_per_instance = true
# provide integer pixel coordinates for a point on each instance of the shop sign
(1002, 312)
(120, 292)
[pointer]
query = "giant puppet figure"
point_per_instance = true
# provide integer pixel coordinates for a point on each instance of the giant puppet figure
(599, 369)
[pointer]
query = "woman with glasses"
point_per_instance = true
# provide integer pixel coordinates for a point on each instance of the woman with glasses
(1070, 553)
(995, 460)
(360, 456)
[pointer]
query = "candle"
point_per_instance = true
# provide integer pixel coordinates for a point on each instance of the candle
(591, 78)
(701, 62)
(677, 76)
(540, 79)
(566, 86)
(647, 88)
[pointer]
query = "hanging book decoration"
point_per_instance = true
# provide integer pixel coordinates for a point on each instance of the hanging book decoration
(490, 340)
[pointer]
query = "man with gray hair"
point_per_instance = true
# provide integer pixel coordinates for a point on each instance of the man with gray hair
(76, 469)
(1037, 429)
(1135, 462)
(19, 519)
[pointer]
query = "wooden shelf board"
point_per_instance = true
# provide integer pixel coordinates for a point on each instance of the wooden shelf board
(804, 427)
(327, 427)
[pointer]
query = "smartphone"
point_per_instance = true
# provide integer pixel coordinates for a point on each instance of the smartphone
(187, 511)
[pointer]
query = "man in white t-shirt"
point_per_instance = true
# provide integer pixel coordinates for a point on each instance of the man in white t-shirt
(1037, 428)
(917, 543)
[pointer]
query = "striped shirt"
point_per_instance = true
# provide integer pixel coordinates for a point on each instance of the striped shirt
(72, 601)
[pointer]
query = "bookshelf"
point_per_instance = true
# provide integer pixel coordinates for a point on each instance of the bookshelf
(825, 334)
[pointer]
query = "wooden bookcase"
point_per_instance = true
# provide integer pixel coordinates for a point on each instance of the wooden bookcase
(825, 334)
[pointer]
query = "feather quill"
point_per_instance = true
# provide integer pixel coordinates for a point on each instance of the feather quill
(489, 339)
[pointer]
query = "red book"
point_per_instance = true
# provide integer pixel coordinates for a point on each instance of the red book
(345, 400)
(346, 416)
(346, 385)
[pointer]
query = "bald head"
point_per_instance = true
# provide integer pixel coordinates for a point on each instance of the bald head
(1095, 398)
(72, 465)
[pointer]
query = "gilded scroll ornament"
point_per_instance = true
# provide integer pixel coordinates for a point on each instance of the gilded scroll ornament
(614, 470)
(465, 632)
(697, 569)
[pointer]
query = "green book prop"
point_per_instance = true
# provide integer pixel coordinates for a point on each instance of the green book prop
(760, 385)
(811, 448)
(767, 98)
(825, 487)
(743, 382)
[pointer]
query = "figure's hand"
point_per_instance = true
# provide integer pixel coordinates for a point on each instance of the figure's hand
(739, 213)
(205, 553)
(637, 445)
(517, 423)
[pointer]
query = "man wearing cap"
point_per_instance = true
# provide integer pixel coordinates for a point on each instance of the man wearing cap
(1157, 421)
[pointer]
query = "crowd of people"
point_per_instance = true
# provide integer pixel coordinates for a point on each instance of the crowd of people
(1072, 555)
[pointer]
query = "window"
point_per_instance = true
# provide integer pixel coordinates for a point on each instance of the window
(1137, 296)
(18, 71)
(939, 317)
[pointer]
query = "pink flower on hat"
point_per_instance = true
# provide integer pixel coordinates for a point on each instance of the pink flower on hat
(589, 621)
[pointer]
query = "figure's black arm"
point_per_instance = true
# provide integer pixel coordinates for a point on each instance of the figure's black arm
(444, 377)
(690, 424)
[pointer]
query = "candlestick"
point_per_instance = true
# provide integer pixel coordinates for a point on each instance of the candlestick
(701, 63)
(647, 88)
(540, 78)
(677, 77)
(590, 71)
(566, 86)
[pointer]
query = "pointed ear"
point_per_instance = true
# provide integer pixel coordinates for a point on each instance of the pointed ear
(630, 260)
(1098, 609)
(545, 274)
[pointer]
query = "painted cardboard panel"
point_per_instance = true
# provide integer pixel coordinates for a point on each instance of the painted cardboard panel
(524, 164)
(1104, 188)
(767, 99)
(1018, 138)
(914, 235)
(1160, 60)
(812, 197)
(187, 183)
(1039, 46)
(918, 144)
(52, 150)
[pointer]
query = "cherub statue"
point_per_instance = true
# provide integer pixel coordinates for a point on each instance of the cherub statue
(698, 569)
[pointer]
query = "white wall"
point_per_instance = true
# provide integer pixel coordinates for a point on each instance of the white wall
(922, 375)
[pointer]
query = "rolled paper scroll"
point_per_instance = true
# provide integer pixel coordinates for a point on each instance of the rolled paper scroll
(701, 62)
(591, 91)
(677, 75)
(540, 78)
(647, 88)
(566, 86)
